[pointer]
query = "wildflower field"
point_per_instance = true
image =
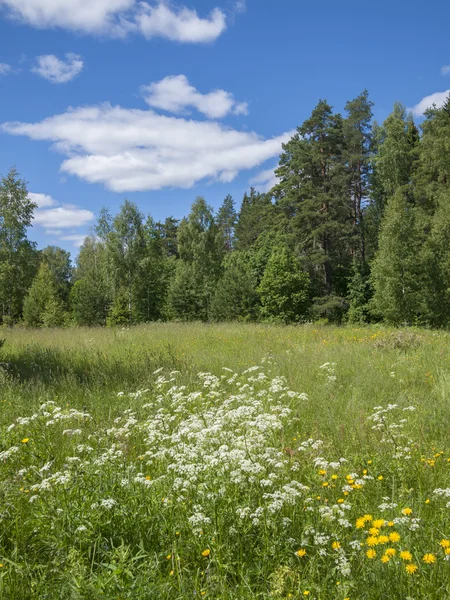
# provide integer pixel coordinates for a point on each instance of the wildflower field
(175, 461)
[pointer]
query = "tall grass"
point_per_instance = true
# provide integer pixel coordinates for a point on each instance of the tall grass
(204, 479)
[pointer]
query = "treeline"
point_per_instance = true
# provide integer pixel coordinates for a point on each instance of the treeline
(357, 229)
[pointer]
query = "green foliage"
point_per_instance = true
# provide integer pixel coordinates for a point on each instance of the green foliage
(43, 306)
(235, 297)
(399, 274)
(284, 288)
(18, 257)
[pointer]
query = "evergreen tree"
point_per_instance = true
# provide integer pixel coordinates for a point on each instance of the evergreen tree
(226, 222)
(18, 256)
(399, 275)
(357, 130)
(255, 216)
(312, 196)
(235, 297)
(168, 235)
(42, 305)
(284, 288)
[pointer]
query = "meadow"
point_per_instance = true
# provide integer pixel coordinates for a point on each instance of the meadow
(230, 462)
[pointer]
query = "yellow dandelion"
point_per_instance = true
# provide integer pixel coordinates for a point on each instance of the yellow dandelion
(429, 558)
(306, 593)
(206, 552)
(169, 556)
(322, 472)
(411, 569)
(385, 558)
(325, 484)
(148, 478)
(378, 523)
(407, 511)
(369, 462)
(334, 477)
(25, 440)
(390, 552)
(340, 500)
(335, 545)
(374, 531)
(447, 551)
(380, 477)
(394, 537)
(372, 541)
(383, 539)
(391, 523)
(301, 552)
(171, 573)
(371, 553)
(445, 543)
(368, 518)
(406, 555)
(360, 523)
(427, 501)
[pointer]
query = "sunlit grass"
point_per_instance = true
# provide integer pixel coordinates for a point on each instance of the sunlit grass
(175, 485)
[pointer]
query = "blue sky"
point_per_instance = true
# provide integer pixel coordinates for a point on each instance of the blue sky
(160, 102)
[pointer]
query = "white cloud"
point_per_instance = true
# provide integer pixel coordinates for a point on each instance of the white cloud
(265, 180)
(76, 239)
(56, 70)
(175, 94)
(120, 17)
(5, 69)
(182, 26)
(131, 150)
(42, 200)
(87, 16)
(66, 216)
(56, 218)
(445, 70)
(438, 98)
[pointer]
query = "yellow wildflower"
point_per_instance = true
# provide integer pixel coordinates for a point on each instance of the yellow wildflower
(406, 555)
(25, 440)
(372, 541)
(407, 511)
(368, 518)
(369, 462)
(335, 545)
(374, 531)
(394, 537)
(334, 477)
(169, 556)
(206, 552)
(385, 558)
(380, 477)
(340, 500)
(371, 553)
(427, 501)
(391, 523)
(383, 539)
(306, 593)
(322, 472)
(360, 523)
(378, 523)
(411, 568)
(445, 543)
(325, 484)
(301, 552)
(390, 552)
(171, 573)
(429, 558)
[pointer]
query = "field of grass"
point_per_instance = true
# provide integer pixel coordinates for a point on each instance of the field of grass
(175, 461)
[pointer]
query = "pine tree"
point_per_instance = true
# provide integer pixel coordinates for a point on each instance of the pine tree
(42, 305)
(284, 288)
(312, 196)
(255, 216)
(60, 266)
(226, 222)
(357, 130)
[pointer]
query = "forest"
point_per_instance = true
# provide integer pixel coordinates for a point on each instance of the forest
(356, 230)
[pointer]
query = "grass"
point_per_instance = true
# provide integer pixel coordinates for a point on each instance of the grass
(208, 480)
